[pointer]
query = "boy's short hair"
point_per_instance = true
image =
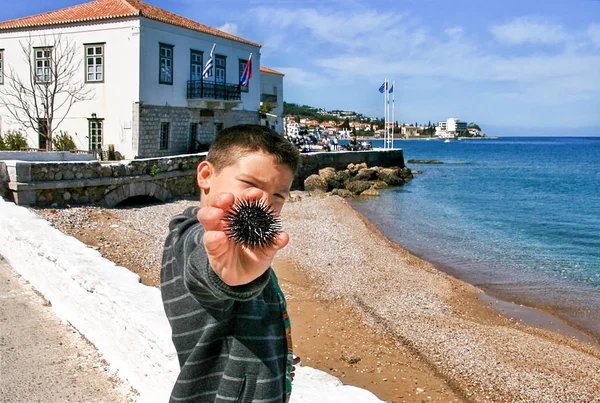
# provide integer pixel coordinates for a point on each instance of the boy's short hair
(234, 142)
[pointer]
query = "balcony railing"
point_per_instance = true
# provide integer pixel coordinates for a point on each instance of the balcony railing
(204, 89)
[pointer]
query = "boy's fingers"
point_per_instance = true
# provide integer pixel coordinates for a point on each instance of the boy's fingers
(210, 218)
(223, 201)
(215, 242)
(281, 240)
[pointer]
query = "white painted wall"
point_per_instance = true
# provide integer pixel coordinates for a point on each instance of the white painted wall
(121, 317)
(113, 99)
(273, 84)
(183, 40)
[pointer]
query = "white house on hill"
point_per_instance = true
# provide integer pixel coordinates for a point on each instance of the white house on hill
(143, 67)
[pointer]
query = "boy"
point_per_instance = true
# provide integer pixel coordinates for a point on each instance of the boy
(228, 317)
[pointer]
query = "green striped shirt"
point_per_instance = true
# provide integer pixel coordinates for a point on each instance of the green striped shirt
(231, 341)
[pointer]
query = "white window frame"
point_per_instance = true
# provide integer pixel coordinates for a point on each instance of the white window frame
(1, 66)
(43, 73)
(97, 62)
(166, 55)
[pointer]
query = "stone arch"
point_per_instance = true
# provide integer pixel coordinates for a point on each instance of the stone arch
(146, 188)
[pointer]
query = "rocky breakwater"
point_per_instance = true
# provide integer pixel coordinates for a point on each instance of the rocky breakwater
(356, 180)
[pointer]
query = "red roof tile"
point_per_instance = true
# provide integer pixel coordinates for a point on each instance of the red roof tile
(268, 70)
(113, 9)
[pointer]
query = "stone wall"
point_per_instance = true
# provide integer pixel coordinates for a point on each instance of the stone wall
(60, 183)
(146, 128)
(45, 184)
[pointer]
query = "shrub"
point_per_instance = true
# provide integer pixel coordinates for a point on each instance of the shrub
(2, 145)
(154, 170)
(14, 140)
(63, 142)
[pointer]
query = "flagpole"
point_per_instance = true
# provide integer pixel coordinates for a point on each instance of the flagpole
(387, 112)
(384, 113)
(393, 112)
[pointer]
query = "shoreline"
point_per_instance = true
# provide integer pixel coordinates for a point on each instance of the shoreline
(445, 335)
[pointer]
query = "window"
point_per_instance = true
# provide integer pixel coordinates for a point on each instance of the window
(243, 64)
(1, 66)
(220, 64)
(166, 64)
(195, 65)
(94, 63)
(193, 135)
(43, 69)
(164, 135)
(95, 134)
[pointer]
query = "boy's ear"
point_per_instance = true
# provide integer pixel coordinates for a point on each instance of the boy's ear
(204, 174)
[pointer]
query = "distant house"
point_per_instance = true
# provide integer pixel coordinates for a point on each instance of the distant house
(271, 92)
(144, 66)
(409, 131)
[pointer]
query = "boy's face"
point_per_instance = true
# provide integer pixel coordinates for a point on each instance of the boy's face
(255, 169)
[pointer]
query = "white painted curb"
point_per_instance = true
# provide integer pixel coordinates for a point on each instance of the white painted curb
(123, 318)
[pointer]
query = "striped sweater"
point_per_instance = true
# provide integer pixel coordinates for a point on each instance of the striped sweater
(231, 341)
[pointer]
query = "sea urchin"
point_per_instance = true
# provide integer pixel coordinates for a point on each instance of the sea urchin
(252, 223)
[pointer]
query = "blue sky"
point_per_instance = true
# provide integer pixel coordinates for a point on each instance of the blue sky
(504, 64)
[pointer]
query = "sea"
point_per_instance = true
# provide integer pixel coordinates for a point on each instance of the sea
(518, 217)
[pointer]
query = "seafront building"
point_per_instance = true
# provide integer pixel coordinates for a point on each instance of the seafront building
(451, 128)
(143, 67)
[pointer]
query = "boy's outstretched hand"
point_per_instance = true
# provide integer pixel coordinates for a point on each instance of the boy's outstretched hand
(234, 264)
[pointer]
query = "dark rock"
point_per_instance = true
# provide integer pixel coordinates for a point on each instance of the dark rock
(315, 183)
(380, 185)
(357, 187)
(366, 174)
(424, 162)
(327, 173)
(405, 173)
(370, 192)
(390, 177)
(342, 193)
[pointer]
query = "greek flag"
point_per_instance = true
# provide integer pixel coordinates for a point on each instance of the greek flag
(383, 87)
(208, 67)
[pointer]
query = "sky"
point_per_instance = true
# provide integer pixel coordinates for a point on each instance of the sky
(512, 64)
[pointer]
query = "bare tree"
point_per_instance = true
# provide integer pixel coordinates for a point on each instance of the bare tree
(42, 97)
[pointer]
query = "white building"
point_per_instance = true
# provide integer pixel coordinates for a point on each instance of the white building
(143, 66)
(271, 92)
(456, 127)
(451, 128)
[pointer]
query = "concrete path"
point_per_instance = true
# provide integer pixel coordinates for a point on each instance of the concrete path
(43, 359)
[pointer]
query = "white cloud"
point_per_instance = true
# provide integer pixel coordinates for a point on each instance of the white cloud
(593, 33)
(300, 77)
(230, 28)
(529, 30)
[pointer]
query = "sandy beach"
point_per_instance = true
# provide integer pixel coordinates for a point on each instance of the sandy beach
(367, 311)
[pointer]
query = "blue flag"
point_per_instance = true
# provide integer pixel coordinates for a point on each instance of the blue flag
(383, 87)
(391, 89)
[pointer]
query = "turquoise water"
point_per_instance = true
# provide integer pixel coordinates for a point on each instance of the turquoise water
(518, 217)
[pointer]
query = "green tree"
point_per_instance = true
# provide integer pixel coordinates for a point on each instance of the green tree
(346, 124)
(14, 140)
(2, 145)
(63, 142)
(473, 125)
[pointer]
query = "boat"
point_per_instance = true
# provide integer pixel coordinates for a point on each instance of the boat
(447, 141)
